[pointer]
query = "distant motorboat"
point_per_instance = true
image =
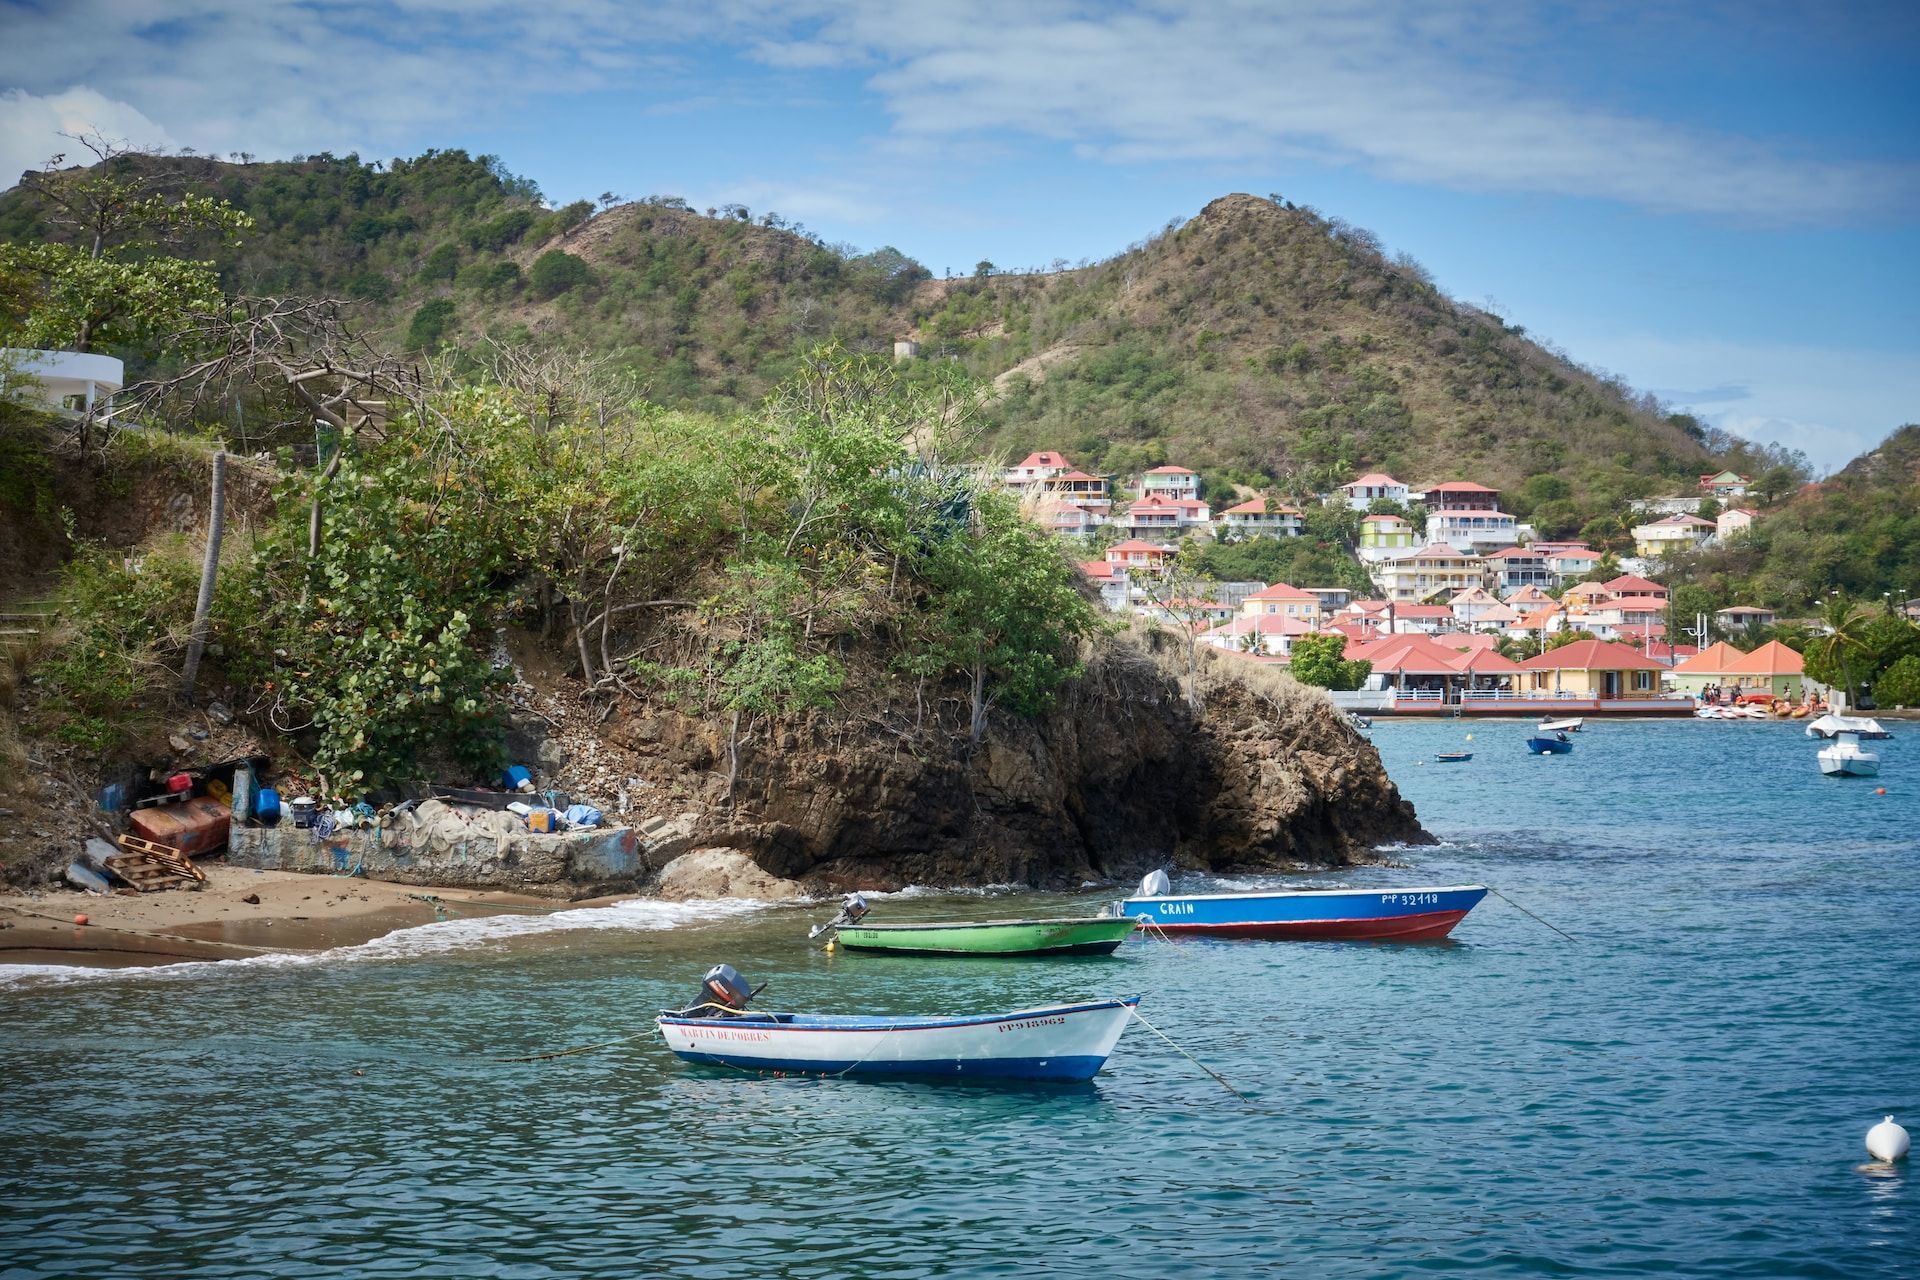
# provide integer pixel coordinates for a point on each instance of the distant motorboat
(1831, 725)
(1845, 758)
(1558, 745)
(1452, 757)
(1562, 726)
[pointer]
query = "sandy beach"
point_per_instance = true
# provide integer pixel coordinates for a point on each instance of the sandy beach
(290, 912)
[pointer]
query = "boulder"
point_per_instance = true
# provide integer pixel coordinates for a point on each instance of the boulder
(722, 873)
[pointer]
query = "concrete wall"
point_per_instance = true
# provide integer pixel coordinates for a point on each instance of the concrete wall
(451, 849)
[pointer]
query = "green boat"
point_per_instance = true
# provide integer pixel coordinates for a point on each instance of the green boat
(1086, 936)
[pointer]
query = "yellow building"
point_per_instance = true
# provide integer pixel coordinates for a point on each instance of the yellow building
(1283, 601)
(1661, 539)
(1592, 669)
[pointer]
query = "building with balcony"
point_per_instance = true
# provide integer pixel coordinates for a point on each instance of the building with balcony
(1473, 529)
(1262, 518)
(1592, 669)
(1370, 488)
(1516, 568)
(1433, 570)
(1170, 482)
(1670, 536)
(1462, 495)
(1166, 518)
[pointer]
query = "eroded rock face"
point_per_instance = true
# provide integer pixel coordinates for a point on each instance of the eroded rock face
(1120, 777)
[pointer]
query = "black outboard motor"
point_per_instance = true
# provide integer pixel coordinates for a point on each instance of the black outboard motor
(723, 994)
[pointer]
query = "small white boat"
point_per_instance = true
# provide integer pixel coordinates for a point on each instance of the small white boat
(1831, 725)
(1844, 758)
(1562, 726)
(1058, 1042)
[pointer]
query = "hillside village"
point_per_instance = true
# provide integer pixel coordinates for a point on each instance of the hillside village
(1469, 605)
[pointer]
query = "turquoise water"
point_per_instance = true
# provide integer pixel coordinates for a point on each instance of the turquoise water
(1681, 1090)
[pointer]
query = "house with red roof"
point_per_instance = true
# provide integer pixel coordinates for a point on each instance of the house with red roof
(1115, 584)
(1734, 522)
(1170, 482)
(1596, 669)
(1772, 669)
(1372, 487)
(1285, 601)
(1068, 519)
(1167, 518)
(1092, 492)
(1270, 634)
(1462, 495)
(1569, 563)
(1136, 556)
(1513, 569)
(1262, 518)
(1422, 619)
(1726, 484)
(1632, 584)
(1527, 599)
(1036, 467)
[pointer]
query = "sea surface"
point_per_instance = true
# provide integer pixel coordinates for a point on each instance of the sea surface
(1680, 1086)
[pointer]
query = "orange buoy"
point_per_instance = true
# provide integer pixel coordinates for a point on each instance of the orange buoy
(1879, 791)
(79, 919)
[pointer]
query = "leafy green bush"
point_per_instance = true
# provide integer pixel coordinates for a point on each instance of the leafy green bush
(555, 272)
(430, 324)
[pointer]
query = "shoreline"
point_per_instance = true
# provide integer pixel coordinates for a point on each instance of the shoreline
(294, 913)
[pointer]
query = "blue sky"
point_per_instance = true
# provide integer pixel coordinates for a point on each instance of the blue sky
(1721, 205)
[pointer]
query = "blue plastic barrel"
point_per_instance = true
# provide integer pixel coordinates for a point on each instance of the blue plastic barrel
(266, 805)
(516, 777)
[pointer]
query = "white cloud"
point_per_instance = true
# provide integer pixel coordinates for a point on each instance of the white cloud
(1832, 404)
(1437, 92)
(32, 128)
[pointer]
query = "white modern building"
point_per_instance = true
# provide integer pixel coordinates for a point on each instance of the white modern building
(76, 383)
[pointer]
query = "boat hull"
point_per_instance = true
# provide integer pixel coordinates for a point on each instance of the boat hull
(1849, 767)
(1549, 747)
(1084, 937)
(1062, 1042)
(1379, 915)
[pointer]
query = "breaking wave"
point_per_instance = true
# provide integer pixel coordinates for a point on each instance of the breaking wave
(642, 915)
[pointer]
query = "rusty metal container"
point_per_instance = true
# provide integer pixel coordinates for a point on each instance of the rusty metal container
(194, 827)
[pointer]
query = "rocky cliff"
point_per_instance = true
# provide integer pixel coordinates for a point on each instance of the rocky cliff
(1121, 776)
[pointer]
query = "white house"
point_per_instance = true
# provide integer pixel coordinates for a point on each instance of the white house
(1271, 634)
(1726, 484)
(1036, 467)
(65, 382)
(1370, 488)
(1158, 517)
(1734, 521)
(1170, 482)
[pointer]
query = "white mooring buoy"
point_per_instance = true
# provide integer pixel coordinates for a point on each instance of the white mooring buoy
(1887, 1141)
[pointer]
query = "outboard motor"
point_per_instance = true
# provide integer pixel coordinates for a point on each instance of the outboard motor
(1155, 885)
(851, 912)
(723, 994)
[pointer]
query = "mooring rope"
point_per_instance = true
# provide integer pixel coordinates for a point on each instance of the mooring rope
(1523, 911)
(1190, 1058)
(568, 1053)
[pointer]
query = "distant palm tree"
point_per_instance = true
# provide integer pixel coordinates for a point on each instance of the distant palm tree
(1844, 638)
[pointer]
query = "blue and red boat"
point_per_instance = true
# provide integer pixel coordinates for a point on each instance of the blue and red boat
(1396, 915)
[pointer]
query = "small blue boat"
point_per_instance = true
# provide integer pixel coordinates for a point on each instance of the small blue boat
(1558, 745)
(1452, 757)
(1400, 915)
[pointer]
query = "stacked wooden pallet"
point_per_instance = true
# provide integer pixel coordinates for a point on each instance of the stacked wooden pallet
(148, 866)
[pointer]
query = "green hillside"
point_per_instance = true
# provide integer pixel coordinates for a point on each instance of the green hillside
(1259, 343)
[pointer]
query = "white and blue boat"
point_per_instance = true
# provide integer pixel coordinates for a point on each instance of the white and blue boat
(1558, 745)
(1398, 915)
(1054, 1042)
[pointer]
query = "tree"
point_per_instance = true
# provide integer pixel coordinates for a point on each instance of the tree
(1836, 655)
(982, 269)
(1899, 684)
(106, 280)
(1005, 612)
(1320, 660)
(1177, 589)
(430, 324)
(555, 272)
